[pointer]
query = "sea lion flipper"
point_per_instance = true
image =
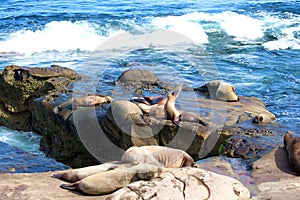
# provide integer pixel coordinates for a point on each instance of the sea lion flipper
(176, 122)
(177, 90)
(68, 186)
(202, 123)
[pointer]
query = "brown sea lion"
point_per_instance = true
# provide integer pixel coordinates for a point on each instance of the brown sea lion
(109, 181)
(176, 115)
(159, 156)
(154, 104)
(292, 146)
(148, 103)
(74, 175)
(219, 90)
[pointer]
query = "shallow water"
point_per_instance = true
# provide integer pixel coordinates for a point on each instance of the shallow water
(254, 45)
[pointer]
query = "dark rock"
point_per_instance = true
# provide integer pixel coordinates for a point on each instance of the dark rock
(60, 138)
(20, 85)
(137, 77)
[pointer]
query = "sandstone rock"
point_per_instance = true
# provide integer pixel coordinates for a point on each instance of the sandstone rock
(274, 178)
(34, 186)
(185, 183)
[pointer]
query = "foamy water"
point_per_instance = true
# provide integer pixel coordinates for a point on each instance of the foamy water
(85, 36)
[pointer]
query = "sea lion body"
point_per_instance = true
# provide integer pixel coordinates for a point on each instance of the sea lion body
(109, 181)
(292, 146)
(170, 109)
(176, 116)
(74, 175)
(85, 101)
(159, 156)
(151, 103)
(220, 90)
(90, 100)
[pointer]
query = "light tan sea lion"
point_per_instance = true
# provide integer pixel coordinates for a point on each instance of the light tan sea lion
(292, 146)
(85, 101)
(176, 115)
(219, 90)
(159, 156)
(109, 181)
(74, 175)
(90, 100)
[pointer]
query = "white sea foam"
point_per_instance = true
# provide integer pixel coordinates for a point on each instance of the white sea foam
(287, 31)
(27, 141)
(234, 24)
(55, 36)
(182, 25)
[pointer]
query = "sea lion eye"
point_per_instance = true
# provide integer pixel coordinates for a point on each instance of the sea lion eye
(233, 89)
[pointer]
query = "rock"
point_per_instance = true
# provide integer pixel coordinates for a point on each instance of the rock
(126, 126)
(20, 85)
(247, 143)
(60, 135)
(274, 178)
(42, 102)
(137, 77)
(185, 183)
(36, 186)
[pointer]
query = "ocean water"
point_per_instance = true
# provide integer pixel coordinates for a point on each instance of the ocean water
(255, 45)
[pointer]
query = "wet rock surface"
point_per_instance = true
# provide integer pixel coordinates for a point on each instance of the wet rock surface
(20, 85)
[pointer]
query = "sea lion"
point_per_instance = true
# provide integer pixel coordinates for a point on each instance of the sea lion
(109, 181)
(154, 104)
(148, 103)
(219, 90)
(85, 101)
(157, 155)
(292, 146)
(74, 175)
(176, 115)
(263, 119)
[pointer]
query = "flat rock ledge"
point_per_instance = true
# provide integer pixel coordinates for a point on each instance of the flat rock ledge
(180, 183)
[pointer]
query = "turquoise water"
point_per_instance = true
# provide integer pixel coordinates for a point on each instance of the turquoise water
(255, 45)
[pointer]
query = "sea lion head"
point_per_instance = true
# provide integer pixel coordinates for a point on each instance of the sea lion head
(263, 118)
(226, 92)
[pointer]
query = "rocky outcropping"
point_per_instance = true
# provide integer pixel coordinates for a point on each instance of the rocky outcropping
(184, 183)
(19, 86)
(40, 99)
